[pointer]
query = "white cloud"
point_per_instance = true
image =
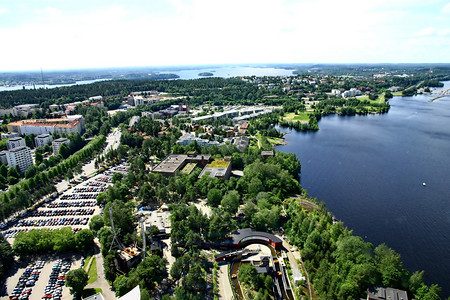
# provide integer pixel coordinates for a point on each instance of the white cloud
(3, 10)
(212, 32)
(426, 31)
(446, 9)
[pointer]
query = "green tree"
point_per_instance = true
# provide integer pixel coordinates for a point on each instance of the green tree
(64, 150)
(38, 158)
(6, 256)
(214, 197)
(96, 223)
(84, 240)
(77, 279)
(230, 202)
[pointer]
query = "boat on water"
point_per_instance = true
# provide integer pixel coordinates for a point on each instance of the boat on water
(424, 183)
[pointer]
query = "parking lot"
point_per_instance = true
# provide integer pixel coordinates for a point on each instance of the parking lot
(74, 207)
(42, 277)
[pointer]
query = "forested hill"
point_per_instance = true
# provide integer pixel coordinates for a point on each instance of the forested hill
(61, 95)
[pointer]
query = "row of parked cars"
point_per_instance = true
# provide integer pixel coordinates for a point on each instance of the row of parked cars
(90, 189)
(104, 178)
(60, 204)
(11, 233)
(63, 212)
(79, 196)
(57, 279)
(95, 183)
(53, 222)
(27, 280)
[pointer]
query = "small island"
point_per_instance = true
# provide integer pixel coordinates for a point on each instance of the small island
(205, 74)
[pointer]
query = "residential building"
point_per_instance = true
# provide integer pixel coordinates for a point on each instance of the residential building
(241, 142)
(188, 138)
(20, 110)
(351, 92)
(381, 293)
(15, 143)
(56, 144)
(95, 98)
(21, 157)
(9, 135)
(336, 92)
(67, 125)
(42, 140)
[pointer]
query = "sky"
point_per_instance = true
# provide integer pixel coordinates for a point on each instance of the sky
(67, 34)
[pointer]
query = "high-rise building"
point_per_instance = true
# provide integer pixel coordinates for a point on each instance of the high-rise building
(21, 157)
(42, 140)
(15, 143)
(56, 144)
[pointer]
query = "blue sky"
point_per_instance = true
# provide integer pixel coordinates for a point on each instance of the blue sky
(60, 34)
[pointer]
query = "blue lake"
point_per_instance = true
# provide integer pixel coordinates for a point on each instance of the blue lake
(369, 170)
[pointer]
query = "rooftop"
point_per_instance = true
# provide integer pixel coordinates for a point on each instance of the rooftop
(18, 149)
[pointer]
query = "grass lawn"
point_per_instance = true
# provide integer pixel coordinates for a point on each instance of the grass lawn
(380, 99)
(92, 271)
(86, 262)
(293, 117)
(275, 141)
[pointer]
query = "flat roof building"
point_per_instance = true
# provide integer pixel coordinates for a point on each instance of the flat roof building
(15, 143)
(176, 162)
(67, 125)
(56, 144)
(21, 157)
(219, 168)
(42, 140)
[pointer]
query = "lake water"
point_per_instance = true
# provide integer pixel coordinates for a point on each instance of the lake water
(369, 171)
(232, 71)
(39, 86)
(225, 71)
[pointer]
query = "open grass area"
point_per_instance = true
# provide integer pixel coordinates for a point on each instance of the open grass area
(381, 99)
(92, 271)
(293, 117)
(276, 141)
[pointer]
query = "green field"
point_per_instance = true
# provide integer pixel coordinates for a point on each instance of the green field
(293, 117)
(92, 271)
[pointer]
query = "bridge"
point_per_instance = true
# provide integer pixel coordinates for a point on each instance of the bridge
(441, 94)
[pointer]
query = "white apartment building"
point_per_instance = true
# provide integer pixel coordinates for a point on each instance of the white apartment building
(42, 140)
(67, 125)
(9, 135)
(15, 143)
(56, 144)
(20, 156)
